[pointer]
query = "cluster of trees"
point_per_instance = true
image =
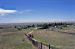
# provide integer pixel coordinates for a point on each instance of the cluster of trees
(43, 26)
(24, 27)
(1, 27)
(47, 25)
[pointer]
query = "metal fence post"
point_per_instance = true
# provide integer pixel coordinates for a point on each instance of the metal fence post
(41, 45)
(49, 46)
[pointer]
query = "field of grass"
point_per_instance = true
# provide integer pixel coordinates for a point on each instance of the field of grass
(56, 38)
(60, 38)
(14, 40)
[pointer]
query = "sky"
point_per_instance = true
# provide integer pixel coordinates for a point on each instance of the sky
(20, 11)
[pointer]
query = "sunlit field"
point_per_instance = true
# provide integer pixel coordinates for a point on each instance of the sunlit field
(60, 38)
(13, 39)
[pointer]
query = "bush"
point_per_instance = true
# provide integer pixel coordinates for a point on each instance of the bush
(19, 28)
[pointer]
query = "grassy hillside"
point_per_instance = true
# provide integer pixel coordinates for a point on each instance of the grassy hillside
(60, 38)
(56, 38)
(14, 40)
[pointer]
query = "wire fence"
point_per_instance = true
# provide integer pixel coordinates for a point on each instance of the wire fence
(38, 44)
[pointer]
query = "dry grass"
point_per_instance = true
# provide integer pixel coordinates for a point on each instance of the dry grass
(14, 40)
(56, 38)
(59, 38)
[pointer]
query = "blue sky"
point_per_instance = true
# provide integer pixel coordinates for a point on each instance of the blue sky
(18, 11)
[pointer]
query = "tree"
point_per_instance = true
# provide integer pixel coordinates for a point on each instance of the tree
(45, 26)
(15, 26)
(33, 25)
(19, 28)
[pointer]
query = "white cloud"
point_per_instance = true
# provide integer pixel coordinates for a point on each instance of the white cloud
(4, 11)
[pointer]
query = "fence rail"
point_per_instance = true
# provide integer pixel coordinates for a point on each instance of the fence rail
(38, 44)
